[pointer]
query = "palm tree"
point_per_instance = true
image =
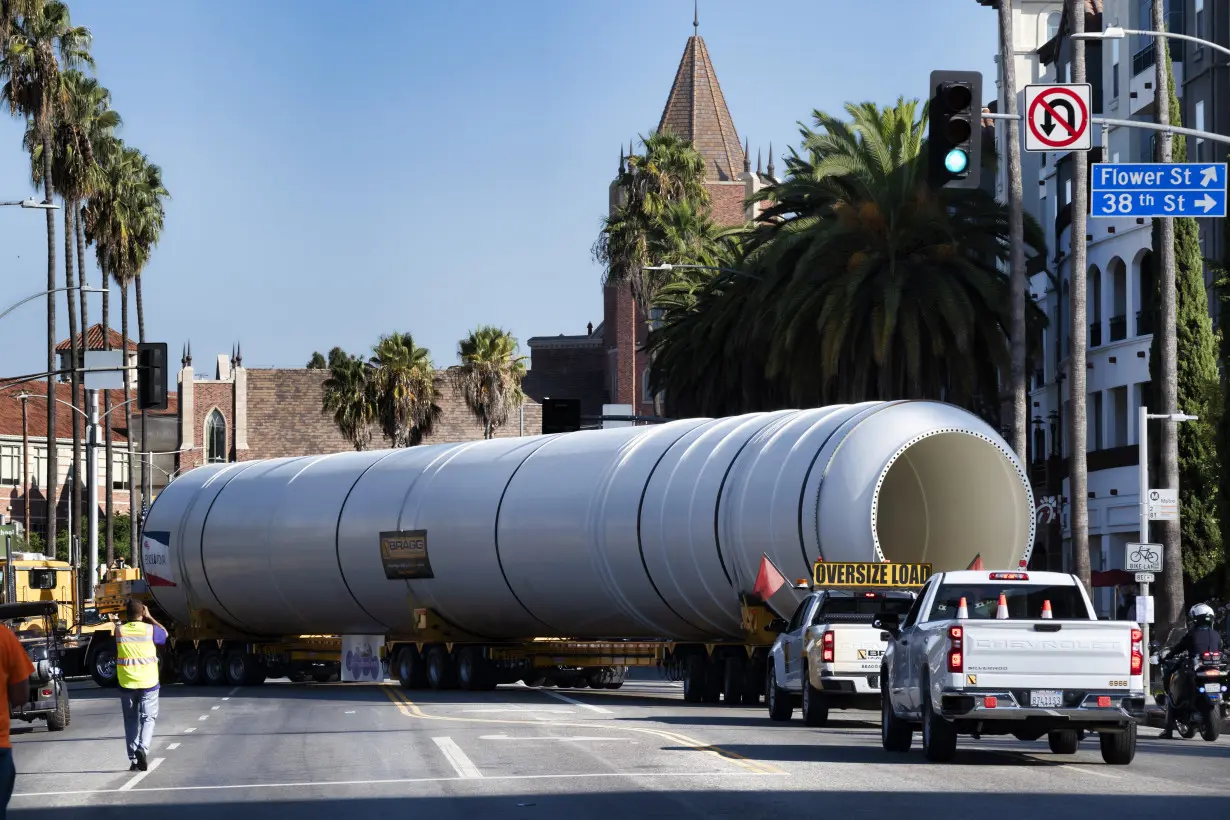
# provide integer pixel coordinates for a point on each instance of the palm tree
(405, 390)
(670, 170)
(489, 376)
(349, 394)
(33, 90)
(862, 283)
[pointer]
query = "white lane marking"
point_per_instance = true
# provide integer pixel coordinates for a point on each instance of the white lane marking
(203, 717)
(153, 764)
(561, 737)
(351, 712)
(226, 698)
(190, 729)
(231, 693)
(576, 702)
(408, 780)
(172, 747)
(1055, 764)
(461, 764)
(214, 708)
(527, 710)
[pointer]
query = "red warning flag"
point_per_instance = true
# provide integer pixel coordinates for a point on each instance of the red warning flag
(768, 580)
(976, 563)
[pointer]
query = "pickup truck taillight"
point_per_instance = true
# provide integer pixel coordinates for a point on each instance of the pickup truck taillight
(826, 652)
(956, 658)
(1138, 657)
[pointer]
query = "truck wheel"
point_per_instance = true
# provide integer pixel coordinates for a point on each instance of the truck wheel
(1120, 748)
(190, 668)
(732, 681)
(714, 678)
(411, 673)
(753, 682)
(102, 666)
(241, 668)
(472, 672)
(213, 668)
(58, 720)
(815, 709)
(939, 736)
(781, 706)
(1065, 742)
(441, 669)
(694, 679)
(895, 734)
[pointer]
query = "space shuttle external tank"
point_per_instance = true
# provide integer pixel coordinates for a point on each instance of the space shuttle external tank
(630, 532)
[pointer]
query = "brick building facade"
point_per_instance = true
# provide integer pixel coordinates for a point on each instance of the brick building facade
(608, 365)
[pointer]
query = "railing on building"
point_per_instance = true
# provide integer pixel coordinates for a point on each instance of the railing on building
(1118, 328)
(1095, 334)
(1144, 322)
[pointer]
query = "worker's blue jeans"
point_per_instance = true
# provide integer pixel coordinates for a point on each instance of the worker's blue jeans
(8, 777)
(140, 712)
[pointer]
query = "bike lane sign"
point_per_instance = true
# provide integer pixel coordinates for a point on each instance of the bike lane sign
(1143, 558)
(1163, 505)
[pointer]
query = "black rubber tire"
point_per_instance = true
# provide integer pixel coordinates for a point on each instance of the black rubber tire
(732, 680)
(239, 667)
(213, 667)
(753, 682)
(939, 736)
(297, 677)
(815, 707)
(896, 735)
(1119, 749)
(474, 672)
(410, 668)
(441, 669)
(1065, 742)
(694, 679)
(780, 702)
(190, 668)
(102, 665)
(58, 720)
(1211, 730)
(714, 679)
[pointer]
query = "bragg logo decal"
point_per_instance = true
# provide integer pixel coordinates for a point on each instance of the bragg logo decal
(972, 680)
(864, 654)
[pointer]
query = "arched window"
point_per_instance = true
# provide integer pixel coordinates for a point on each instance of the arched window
(1052, 25)
(215, 437)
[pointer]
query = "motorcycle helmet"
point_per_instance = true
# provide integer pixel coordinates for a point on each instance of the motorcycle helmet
(1201, 614)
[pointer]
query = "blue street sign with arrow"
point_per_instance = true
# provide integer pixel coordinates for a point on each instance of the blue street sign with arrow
(1149, 189)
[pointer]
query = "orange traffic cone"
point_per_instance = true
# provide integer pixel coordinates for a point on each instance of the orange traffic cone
(1046, 609)
(962, 609)
(1002, 612)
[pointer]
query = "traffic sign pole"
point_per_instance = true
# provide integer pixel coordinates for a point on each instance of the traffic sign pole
(1142, 437)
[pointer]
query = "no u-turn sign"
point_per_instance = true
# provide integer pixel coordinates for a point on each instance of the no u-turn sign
(1058, 117)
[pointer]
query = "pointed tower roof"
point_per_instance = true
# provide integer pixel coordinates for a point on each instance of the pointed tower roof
(696, 110)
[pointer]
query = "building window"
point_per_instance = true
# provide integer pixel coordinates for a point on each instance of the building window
(215, 438)
(1173, 14)
(38, 467)
(1198, 30)
(1052, 25)
(1199, 153)
(10, 465)
(646, 396)
(1114, 68)
(119, 470)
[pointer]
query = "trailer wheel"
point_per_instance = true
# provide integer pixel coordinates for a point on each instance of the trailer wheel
(58, 720)
(441, 669)
(753, 682)
(472, 671)
(732, 680)
(190, 668)
(694, 679)
(102, 665)
(240, 668)
(411, 670)
(213, 668)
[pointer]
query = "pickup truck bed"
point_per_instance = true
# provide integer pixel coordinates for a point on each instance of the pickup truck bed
(987, 670)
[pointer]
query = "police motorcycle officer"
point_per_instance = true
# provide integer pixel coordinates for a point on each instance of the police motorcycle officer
(1177, 674)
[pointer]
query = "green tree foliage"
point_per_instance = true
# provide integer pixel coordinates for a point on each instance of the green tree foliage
(394, 391)
(860, 282)
(1200, 393)
(489, 376)
(317, 362)
(1223, 423)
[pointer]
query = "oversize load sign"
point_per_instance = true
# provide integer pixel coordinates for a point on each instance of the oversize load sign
(869, 574)
(404, 554)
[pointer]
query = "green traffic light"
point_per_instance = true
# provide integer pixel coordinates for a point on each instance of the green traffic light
(957, 161)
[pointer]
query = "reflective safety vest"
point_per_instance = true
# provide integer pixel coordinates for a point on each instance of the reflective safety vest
(136, 658)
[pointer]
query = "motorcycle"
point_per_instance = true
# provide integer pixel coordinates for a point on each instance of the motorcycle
(1195, 688)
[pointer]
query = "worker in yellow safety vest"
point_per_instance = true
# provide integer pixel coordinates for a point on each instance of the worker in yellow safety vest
(136, 665)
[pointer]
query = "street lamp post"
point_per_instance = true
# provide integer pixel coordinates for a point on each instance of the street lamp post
(33, 203)
(1118, 33)
(1142, 426)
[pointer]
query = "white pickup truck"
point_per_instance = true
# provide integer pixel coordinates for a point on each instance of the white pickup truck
(828, 655)
(1025, 656)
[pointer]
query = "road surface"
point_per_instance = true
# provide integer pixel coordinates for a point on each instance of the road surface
(330, 751)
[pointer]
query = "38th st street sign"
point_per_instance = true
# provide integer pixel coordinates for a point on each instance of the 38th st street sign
(1150, 189)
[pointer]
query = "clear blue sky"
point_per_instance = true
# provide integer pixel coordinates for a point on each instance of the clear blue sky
(338, 172)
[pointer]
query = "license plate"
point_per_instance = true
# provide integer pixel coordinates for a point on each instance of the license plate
(1046, 698)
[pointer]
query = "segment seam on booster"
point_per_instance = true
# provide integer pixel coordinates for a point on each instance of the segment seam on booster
(496, 531)
(717, 507)
(204, 525)
(337, 539)
(640, 547)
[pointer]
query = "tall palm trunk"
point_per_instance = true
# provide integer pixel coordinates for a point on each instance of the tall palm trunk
(53, 472)
(132, 502)
(1016, 232)
(147, 480)
(74, 500)
(106, 424)
(79, 236)
(1079, 475)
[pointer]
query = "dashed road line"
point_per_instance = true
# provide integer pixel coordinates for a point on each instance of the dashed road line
(576, 702)
(190, 729)
(214, 708)
(462, 764)
(172, 747)
(203, 717)
(153, 764)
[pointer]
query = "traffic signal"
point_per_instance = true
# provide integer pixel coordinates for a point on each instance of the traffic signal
(152, 376)
(561, 415)
(954, 134)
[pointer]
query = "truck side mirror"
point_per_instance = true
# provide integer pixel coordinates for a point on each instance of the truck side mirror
(778, 625)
